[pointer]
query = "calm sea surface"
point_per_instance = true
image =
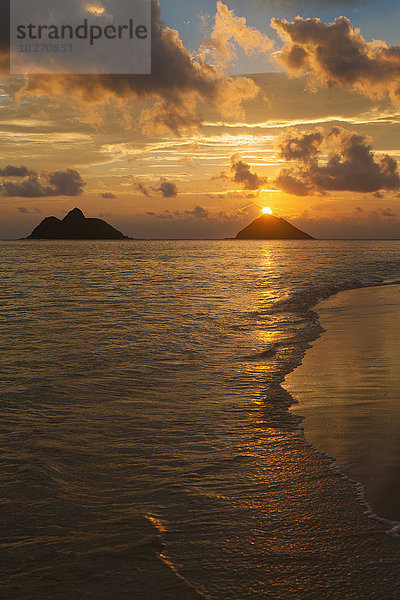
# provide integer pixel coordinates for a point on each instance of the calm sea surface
(147, 450)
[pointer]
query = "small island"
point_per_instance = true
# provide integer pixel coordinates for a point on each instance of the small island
(75, 226)
(268, 227)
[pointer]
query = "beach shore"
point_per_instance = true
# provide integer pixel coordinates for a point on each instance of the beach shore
(347, 390)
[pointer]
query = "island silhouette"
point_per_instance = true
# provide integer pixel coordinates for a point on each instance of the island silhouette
(75, 226)
(268, 227)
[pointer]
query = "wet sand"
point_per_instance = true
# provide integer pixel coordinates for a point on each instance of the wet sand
(348, 390)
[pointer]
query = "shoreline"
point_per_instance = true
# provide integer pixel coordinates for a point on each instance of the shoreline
(320, 409)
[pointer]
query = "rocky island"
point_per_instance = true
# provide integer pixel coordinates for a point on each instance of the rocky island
(269, 227)
(75, 226)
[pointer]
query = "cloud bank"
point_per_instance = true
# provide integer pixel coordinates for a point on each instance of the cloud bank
(33, 185)
(338, 161)
(170, 96)
(337, 55)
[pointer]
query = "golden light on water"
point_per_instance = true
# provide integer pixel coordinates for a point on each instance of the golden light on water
(266, 210)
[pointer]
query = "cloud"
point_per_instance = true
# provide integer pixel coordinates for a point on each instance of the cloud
(337, 55)
(11, 171)
(141, 188)
(294, 183)
(169, 98)
(198, 213)
(230, 30)
(57, 183)
(366, 224)
(241, 173)
(108, 196)
(388, 212)
(66, 183)
(339, 161)
(302, 146)
(289, 5)
(25, 210)
(167, 188)
(28, 188)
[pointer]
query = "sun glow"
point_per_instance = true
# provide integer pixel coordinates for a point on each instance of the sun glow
(266, 210)
(96, 11)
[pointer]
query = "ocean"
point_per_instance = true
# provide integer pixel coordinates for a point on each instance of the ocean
(147, 447)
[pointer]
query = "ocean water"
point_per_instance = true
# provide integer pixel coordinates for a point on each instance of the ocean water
(147, 448)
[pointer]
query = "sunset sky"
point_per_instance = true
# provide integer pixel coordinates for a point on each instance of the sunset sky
(289, 104)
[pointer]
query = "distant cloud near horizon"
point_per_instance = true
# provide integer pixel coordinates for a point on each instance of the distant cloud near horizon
(168, 188)
(142, 189)
(198, 213)
(56, 183)
(24, 210)
(351, 165)
(389, 213)
(108, 196)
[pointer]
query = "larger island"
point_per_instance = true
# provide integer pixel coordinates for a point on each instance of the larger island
(75, 226)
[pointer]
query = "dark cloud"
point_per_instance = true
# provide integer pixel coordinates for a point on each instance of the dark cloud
(31, 187)
(241, 173)
(293, 182)
(168, 188)
(66, 183)
(302, 146)
(11, 171)
(57, 183)
(23, 210)
(351, 165)
(142, 189)
(178, 83)
(337, 55)
(108, 196)
(198, 213)
(388, 212)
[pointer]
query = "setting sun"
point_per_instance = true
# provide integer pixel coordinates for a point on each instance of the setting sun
(266, 210)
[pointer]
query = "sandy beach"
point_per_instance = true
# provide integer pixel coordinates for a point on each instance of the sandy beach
(348, 391)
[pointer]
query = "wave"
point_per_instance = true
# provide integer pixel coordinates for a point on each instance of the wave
(265, 354)
(392, 528)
